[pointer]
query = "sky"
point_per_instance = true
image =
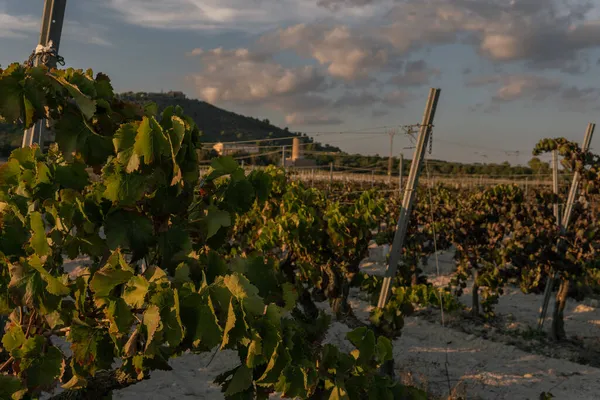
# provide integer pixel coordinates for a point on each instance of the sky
(347, 72)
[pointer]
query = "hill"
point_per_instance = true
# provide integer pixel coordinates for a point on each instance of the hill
(217, 124)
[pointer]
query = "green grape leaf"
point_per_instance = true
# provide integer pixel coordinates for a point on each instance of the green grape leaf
(222, 166)
(10, 172)
(128, 230)
(290, 296)
(84, 103)
(124, 141)
(152, 322)
(38, 242)
(120, 316)
(384, 349)
(215, 220)
(13, 338)
(53, 285)
(242, 380)
(150, 141)
(92, 349)
(9, 385)
(10, 101)
(72, 176)
(135, 291)
(200, 320)
(338, 393)
(291, 382)
(245, 293)
(364, 340)
(40, 363)
(108, 278)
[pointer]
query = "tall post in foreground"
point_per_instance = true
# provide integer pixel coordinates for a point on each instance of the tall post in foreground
(561, 297)
(390, 157)
(330, 174)
(409, 195)
(45, 54)
(400, 173)
(283, 157)
(551, 276)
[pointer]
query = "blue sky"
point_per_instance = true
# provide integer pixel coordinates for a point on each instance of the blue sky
(511, 71)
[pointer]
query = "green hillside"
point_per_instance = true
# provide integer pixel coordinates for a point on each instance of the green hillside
(216, 124)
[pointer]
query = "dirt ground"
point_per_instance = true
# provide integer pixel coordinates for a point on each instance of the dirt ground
(475, 360)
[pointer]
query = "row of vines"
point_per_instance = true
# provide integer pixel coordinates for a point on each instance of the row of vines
(116, 255)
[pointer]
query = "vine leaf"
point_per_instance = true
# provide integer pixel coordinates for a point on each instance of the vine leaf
(152, 322)
(107, 278)
(135, 291)
(40, 363)
(222, 166)
(124, 141)
(84, 103)
(242, 380)
(150, 141)
(39, 242)
(215, 220)
(9, 385)
(128, 230)
(10, 101)
(13, 338)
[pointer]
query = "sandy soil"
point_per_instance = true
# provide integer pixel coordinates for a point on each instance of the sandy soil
(438, 358)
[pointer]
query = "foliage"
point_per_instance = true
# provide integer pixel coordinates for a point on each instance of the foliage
(121, 189)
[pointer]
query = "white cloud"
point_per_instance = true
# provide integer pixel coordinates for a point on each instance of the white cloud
(299, 119)
(345, 52)
(24, 26)
(241, 76)
(416, 73)
(16, 26)
(242, 15)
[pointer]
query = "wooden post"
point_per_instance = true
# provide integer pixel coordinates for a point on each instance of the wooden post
(409, 196)
(400, 173)
(551, 277)
(52, 24)
(372, 179)
(330, 174)
(564, 224)
(390, 157)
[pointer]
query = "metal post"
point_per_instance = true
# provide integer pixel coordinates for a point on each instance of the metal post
(409, 195)
(52, 23)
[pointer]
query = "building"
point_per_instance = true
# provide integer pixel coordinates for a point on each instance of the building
(224, 149)
(297, 159)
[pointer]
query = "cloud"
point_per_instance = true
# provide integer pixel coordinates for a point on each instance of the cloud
(416, 73)
(299, 119)
(231, 15)
(24, 26)
(17, 26)
(542, 33)
(87, 34)
(537, 88)
(379, 113)
(518, 86)
(242, 76)
(345, 53)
